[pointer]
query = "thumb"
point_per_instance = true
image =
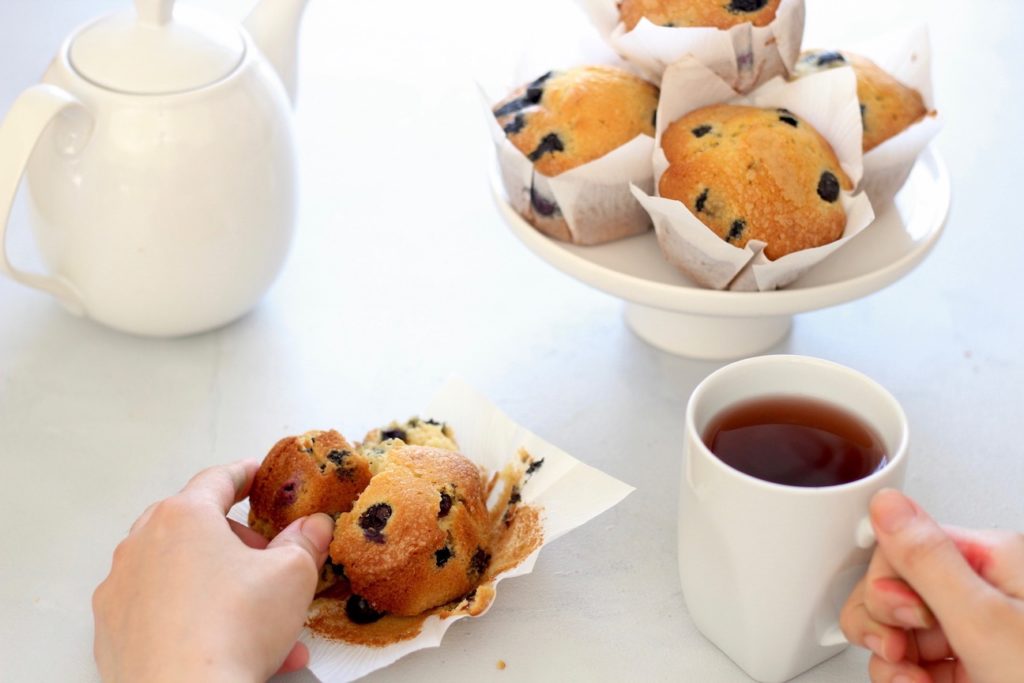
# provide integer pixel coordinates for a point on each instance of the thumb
(927, 558)
(312, 534)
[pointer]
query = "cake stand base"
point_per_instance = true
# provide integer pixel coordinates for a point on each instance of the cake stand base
(704, 336)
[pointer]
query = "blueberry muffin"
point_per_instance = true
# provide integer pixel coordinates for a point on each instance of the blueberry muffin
(750, 173)
(418, 536)
(415, 432)
(566, 118)
(563, 120)
(887, 107)
(722, 14)
(316, 472)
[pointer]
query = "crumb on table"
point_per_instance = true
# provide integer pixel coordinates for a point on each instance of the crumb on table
(501, 664)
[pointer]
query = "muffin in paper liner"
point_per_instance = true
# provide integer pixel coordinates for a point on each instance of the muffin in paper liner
(828, 104)
(589, 204)
(743, 56)
(565, 492)
(907, 57)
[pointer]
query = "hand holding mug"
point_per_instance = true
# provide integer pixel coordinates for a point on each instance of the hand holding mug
(938, 605)
(768, 553)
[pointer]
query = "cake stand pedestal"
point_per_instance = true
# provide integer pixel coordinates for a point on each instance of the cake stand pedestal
(706, 337)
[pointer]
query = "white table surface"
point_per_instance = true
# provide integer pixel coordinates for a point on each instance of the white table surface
(402, 273)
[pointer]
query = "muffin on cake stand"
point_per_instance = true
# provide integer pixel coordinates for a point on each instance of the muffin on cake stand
(672, 313)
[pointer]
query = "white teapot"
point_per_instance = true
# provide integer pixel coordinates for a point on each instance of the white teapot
(160, 165)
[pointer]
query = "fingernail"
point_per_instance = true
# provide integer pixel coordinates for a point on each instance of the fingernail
(913, 617)
(319, 529)
(901, 678)
(910, 617)
(892, 510)
(874, 643)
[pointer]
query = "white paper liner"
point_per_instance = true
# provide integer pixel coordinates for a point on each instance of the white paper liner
(829, 104)
(569, 493)
(594, 201)
(743, 56)
(907, 57)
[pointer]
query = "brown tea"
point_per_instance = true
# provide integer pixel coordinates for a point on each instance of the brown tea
(796, 441)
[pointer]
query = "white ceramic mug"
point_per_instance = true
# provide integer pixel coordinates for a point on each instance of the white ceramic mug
(765, 567)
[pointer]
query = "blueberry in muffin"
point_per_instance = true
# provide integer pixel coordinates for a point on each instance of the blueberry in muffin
(414, 432)
(564, 119)
(721, 14)
(749, 173)
(319, 471)
(887, 107)
(418, 536)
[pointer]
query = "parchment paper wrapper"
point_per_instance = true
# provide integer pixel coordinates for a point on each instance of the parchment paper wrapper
(907, 57)
(743, 56)
(568, 492)
(829, 104)
(589, 204)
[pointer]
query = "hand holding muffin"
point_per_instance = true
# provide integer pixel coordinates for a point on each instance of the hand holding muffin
(237, 603)
(414, 531)
(319, 471)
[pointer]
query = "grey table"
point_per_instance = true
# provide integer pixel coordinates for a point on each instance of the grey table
(402, 273)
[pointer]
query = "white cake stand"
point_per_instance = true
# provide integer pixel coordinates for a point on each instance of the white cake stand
(669, 311)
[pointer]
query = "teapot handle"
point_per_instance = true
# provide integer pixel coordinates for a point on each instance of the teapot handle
(31, 113)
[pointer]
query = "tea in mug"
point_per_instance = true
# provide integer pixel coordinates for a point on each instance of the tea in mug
(795, 441)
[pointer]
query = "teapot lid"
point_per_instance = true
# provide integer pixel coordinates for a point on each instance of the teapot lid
(157, 49)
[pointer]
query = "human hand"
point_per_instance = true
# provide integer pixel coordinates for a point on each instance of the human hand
(193, 596)
(938, 605)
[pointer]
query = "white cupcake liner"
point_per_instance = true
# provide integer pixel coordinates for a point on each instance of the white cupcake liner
(594, 202)
(907, 57)
(743, 56)
(828, 102)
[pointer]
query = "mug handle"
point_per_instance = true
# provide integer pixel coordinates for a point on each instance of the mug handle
(865, 536)
(833, 636)
(29, 116)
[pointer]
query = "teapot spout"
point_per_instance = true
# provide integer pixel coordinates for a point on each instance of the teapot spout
(274, 26)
